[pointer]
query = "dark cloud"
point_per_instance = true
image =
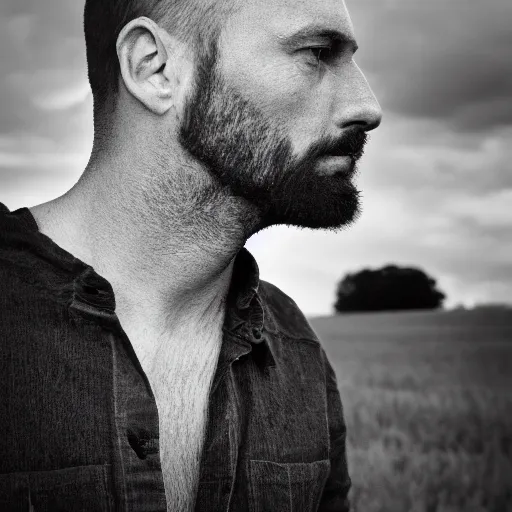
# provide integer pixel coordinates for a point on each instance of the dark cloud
(447, 60)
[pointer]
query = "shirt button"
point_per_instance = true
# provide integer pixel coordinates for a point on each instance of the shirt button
(142, 443)
(256, 333)
(137, 445)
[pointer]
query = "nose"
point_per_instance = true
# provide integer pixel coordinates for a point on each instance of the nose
(356, 103)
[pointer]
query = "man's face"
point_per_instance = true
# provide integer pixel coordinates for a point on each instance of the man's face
(270, 143)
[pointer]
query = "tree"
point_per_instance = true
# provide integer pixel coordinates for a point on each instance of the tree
(390, 288)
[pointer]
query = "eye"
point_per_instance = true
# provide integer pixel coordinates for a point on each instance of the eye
(319, 54)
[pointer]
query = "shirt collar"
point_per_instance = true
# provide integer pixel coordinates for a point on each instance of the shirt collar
(245, 280)
(246, 316)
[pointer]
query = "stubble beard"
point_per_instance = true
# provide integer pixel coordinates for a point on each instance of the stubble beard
(253, 158)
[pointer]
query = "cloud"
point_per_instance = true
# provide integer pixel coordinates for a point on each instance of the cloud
(448, 61)
(45, 112)
(43, 65)
(491, 210)
(431, 157)
(55, 89)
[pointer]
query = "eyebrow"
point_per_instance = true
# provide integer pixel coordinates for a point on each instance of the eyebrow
(319, 32)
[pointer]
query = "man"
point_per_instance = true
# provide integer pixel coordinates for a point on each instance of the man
(146, 366)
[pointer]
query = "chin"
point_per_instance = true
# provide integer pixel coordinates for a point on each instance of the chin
(339, 215)
(317, 203)
(315, 222)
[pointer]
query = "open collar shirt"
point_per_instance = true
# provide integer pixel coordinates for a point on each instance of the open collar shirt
(79, 420)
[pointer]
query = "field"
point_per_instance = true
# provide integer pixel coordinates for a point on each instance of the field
(428, 406)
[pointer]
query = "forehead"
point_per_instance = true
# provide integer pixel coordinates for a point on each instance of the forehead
(284, 17)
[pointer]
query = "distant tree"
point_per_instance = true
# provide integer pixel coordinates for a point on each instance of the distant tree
(387, 289)
(493, 306)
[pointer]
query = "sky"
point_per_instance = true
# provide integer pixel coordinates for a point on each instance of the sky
(436, 177)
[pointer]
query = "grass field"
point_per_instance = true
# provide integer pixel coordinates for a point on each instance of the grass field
(428, 406)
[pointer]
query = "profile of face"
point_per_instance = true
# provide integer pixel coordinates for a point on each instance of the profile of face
(288, 144)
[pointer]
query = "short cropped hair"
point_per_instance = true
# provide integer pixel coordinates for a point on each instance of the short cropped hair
(194, 22)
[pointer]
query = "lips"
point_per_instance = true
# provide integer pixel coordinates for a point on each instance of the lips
(331, 165)
(340, 153)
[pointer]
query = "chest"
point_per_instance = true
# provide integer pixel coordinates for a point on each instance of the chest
(180, 375)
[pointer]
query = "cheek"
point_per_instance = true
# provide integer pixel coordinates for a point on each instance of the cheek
(295, 105)
(286, 96)
(305, 114)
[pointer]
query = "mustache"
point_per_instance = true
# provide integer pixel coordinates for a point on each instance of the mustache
(351, 144)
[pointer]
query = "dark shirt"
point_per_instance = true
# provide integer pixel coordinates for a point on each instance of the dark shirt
(79, 421)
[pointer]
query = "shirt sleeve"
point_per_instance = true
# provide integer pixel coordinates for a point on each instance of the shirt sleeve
(335, 494)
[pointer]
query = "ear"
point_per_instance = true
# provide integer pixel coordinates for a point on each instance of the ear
(144, 64)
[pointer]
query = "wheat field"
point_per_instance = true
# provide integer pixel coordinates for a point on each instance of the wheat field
(427, 399)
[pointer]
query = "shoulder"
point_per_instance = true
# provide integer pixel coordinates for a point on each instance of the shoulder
(283, 315)
(29, 267)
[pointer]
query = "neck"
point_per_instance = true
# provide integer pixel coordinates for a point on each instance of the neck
(165, 237)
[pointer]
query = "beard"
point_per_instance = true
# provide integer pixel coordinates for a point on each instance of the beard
(252, 157)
